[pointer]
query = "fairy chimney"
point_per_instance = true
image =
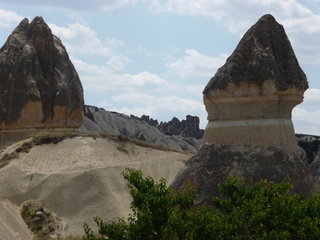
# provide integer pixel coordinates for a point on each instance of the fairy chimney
(250, 98)
(249, 102)
(39, 86)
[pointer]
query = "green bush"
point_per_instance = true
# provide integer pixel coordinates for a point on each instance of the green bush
(261, 211)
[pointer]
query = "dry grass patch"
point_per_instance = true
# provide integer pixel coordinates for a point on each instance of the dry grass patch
(6, 158)
(59, 238)
(25, 147)
(52, 136)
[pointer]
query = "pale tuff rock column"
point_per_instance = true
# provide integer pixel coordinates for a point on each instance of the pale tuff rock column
(250, 98)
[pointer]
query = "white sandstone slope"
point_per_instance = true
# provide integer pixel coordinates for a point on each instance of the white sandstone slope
(78, 179)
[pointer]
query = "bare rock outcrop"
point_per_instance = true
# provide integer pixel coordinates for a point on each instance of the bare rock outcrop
(98, 120)
(249, 102)
(39, 86)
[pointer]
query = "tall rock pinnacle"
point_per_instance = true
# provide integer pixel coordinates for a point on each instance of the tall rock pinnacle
(249, 102)
(39, 86)
(250, 98)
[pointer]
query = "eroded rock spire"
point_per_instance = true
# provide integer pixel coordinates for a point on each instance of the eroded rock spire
(39, 86)
(250, 98)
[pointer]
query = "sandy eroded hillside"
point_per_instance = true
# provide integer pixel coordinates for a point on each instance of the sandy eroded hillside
(77, 179)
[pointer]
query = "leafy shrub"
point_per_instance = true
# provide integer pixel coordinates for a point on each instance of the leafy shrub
(264, 210)
(39, 219)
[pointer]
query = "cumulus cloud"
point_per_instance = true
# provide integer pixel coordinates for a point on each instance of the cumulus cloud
(306, 116)
(103, 79)
(81, 39)
(306, 122)
(312, 95)
(9, 18)
(194, 63)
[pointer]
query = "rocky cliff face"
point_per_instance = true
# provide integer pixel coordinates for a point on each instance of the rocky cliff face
(39, 86)
(249, 102)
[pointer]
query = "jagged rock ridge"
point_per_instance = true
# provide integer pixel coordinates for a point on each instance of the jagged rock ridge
(39, 85)
(185, 128)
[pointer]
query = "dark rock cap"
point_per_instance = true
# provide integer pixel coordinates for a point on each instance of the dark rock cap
(263, 53)
(36, 74)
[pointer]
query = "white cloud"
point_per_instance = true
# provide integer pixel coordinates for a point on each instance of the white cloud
(306, 116)
(81, 39)
(194, 63)
(103, 79)
(117, 62)
(300, 22)
(9, 18)
(227, 11)
(306, 122)
(76, 5)
(312, 95)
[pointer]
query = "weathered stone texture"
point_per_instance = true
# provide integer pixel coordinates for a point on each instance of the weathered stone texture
(263, 53)
(39, 85)
(213, 163)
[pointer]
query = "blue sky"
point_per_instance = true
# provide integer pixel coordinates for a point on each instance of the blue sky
(154, 57)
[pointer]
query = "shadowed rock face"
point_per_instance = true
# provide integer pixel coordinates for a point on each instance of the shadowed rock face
(252, 95)
(213, 163)
(39, 86)
(249, 102)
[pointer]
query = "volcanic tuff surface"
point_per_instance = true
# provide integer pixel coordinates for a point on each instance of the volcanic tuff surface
(39, 86)
(249, 102)
(263, 53)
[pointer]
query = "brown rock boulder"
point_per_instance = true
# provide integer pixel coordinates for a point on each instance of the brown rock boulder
(39, 86)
